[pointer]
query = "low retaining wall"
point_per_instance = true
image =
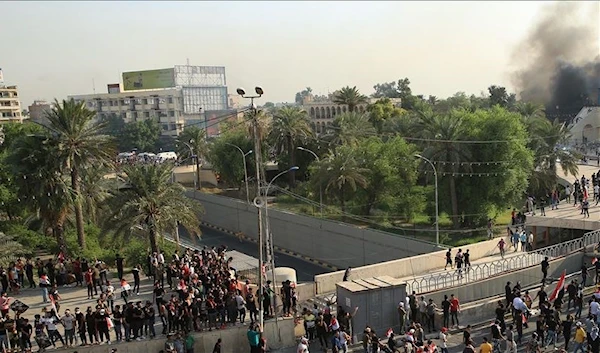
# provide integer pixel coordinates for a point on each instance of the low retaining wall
(339, 244)
(234, 340)
(407, 267)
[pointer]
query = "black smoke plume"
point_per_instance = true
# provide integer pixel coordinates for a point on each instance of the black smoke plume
(559, 60)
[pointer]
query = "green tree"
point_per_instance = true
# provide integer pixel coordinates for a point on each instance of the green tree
(41, 183)
(349, 96)
(227, 160)
(443, 134)
(9, 249)
(290, 128)
(349, 129)
(391, 171)
(548, 139)
(400, 89)
(383, 111)
(498, 96)
(341, 174)
(192, 140)
(81, 145)
(151, 201)
(95, 190)
(143, 135)
(300, 96)
(113, 125)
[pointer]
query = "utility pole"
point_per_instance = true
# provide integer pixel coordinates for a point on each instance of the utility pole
(259, 198)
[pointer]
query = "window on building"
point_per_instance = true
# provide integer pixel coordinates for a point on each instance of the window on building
(144, 101)
(125, 102)
(134, 115)
(171, 113)
(146, 114)
(170, 100)
(150, 100)
(90, 104)
(165, 127)
(173, 126)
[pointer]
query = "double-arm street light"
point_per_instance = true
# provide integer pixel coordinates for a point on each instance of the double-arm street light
(320, 185)
(245, 168)
(261, 239)
(437, 210)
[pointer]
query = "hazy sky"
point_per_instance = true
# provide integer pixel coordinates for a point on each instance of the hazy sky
(53, 49)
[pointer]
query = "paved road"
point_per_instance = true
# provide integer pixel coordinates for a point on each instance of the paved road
(305, 271)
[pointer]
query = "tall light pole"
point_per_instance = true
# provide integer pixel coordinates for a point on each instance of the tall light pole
(268, 230)
(320, 184)
(192, 155)
(245, 168)
(437, 209)
(257, 158)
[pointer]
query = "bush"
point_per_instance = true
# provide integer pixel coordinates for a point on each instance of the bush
(30, 239)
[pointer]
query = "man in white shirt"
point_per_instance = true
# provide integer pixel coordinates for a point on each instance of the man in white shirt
(303, 345)
(518, 304)
(594, 307)
(50, 322)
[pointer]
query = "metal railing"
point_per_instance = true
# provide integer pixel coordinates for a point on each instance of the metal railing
(478, 272)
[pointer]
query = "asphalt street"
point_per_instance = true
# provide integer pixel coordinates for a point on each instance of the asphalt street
(305, 271)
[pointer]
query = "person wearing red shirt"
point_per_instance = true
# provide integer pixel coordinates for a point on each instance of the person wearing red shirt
(77, 272)
(89, 280)
(454, 309)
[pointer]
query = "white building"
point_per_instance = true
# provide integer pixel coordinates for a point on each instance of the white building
(10, 106)
(164, 105)
(585, 128)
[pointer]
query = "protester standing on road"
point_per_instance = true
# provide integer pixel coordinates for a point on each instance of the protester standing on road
(446, 312)
(431, 306)
(454, 309)
(401, 316)
(545, 266)
(485, 347)
(580, 337)
(566, 327)
(511, 345)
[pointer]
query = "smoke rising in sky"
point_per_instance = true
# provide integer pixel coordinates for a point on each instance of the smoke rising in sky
(558, 63)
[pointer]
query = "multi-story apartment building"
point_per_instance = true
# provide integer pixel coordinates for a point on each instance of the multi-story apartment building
(38, 111)
(164, 105)
(10, 106)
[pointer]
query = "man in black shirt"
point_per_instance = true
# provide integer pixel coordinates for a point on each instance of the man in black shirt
(80, 319)
(149, 318)
(90, 322)
(545, 265)
(119, 262)
(25, 330)
(136, 279)
(446, 311)
(542, 295)
(508, 293)
(448, 259)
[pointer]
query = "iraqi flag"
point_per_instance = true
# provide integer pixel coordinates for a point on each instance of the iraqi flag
(389, 332)
(53, 303)
(109, 323)
(559, 286)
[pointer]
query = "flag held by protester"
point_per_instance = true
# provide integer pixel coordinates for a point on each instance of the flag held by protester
(559, 286)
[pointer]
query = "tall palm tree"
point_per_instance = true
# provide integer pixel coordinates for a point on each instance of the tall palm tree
(81, 144)
(151, 201)
(448, 130)
(349, 129)
(550, 137)
(349, 96)
(192, 141)
(341, 174)
(95, 190)
(290, 128)
(41, 183)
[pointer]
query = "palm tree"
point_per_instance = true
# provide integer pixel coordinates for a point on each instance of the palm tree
(350, 97)
(290, 128)
(341, 174)
(192, 141)
(41, 183)
(9, 249)
(448, 130)
(349, 129)
(151, 201)
(81, 144)
(95, 190)
(549, 139)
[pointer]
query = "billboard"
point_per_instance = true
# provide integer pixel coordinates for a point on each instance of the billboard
(114, 88)
(148, 79)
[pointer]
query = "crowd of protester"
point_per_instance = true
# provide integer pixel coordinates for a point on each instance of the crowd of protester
(195, 291)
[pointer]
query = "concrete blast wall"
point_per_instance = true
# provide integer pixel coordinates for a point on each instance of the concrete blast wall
(407, 267)
(335, 243)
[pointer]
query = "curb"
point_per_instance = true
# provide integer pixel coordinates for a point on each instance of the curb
(281, 250)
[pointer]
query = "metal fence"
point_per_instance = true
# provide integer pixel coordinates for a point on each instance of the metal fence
(478, 272)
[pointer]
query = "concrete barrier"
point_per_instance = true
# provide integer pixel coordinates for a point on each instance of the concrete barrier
(407, 267)
(336, 243)
(234, 340)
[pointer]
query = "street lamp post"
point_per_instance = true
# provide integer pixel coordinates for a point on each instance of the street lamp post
(245, 168)
(268, 230)
(261, 239)
(320, 185)
(437, 210)
(192, 156)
